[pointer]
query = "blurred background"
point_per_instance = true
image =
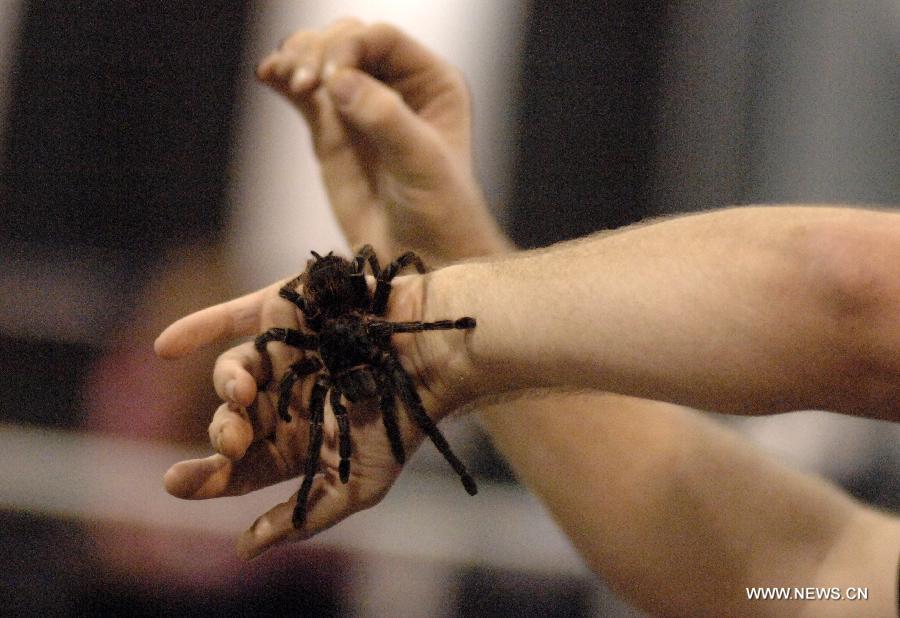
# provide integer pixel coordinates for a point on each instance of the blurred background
(144, 174)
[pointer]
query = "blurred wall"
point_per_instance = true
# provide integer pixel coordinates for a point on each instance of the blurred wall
(779, 102)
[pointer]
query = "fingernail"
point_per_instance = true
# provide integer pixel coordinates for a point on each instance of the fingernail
(264, 68)
(301, 79)
(344, 88)
(329, 69)
(248, 546)
(230, 388)
(226, 440)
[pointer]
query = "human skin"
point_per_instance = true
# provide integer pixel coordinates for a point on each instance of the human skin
(744, 310)
(676, 513)
(774, 526)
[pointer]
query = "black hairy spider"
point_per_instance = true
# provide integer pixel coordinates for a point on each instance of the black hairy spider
(353, 356)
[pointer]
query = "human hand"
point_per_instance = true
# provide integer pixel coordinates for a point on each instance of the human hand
(256, 449)
(391, 125)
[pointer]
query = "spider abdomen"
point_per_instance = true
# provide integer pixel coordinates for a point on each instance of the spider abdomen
(357, 383)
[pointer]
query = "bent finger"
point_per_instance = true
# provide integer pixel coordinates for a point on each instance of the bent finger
(329, 503)
(217, 475)
(383, 50)
(238, 372)
(234, 428)
(309, 50)
(198, 478)
(410, 146)
(231, 431)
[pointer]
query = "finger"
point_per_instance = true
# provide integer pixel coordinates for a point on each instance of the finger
(329, 503)
(231, 431)
(274, 68)
(226, 321)
(237, 373)
(384, 50)
(305, 71)
(198, 478)
(265, 68)
(217, 476)
(234, 428)
(295, 67)
(318, 112)
(269, 529)
(308, 49)
(409, 146)
(293, 71)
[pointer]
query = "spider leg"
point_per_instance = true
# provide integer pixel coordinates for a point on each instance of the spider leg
(288, 292)
(340, 413)
(316, 417)
(388, 407)
(360, 287)
(413, 403)
(383, 328)
(383, 285)
(301, 368)
(367, 254)
(287, 336)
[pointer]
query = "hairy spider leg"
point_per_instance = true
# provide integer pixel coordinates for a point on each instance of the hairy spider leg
(367, 254)
(287, 336)
(345, 449)
(413, 404)
(383, 285)
(361, 288)
(289, 292)
(313, 451)
(382, 327)
(298, 370)
(388, 406)
(301, 368)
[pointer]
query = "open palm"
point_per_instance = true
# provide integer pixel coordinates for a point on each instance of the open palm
(255, 448)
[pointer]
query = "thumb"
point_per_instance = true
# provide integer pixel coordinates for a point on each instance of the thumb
(328, 504)
(407, 145)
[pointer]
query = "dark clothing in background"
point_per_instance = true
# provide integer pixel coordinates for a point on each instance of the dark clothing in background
(589, 93)
(115, 148)
(119, 123)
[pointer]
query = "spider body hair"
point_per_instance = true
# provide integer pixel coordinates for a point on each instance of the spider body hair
(351, 356)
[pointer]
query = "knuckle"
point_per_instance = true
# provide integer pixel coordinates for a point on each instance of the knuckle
(385, 109)
(458, 81)
(326, 147)
(382, 30)
(453, 88)
(299, 41)
(344, 24)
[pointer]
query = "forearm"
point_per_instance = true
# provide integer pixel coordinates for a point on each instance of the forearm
(677, 513)
(743, 310)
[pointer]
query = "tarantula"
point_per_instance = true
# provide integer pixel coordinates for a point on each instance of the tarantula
(353, 357)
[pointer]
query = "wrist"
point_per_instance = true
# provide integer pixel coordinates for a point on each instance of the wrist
(453, 219)
(440, 360)
(474, 230)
